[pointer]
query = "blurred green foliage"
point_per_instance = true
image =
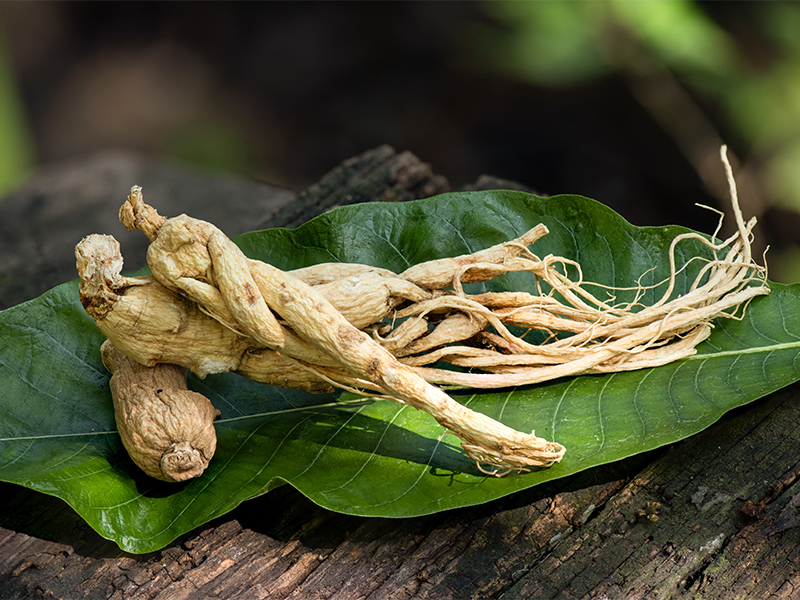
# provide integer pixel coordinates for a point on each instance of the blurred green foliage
(565, 43)
(210, 145)
(16, 141)
(744, 78)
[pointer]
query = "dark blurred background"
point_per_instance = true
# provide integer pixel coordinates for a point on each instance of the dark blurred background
(624, 102)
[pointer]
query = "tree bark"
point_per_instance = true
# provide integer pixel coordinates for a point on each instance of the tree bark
(717, 515)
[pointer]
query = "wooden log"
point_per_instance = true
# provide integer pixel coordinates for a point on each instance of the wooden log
(717, 515)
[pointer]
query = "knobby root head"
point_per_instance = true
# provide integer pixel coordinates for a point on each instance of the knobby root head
(135, 214)
(182, 461)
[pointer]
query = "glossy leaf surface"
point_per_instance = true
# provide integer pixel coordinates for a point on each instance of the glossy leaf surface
(377, 458)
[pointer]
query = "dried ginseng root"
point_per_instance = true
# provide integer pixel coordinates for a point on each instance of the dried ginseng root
(209, 308)
(195, 259)
(601, 337)
(167, 429)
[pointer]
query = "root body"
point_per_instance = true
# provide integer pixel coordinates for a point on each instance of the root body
(167, 429)
(210, 309)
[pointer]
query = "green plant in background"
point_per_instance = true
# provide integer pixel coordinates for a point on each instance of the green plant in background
(16, 142)
(564, 43)
(671, 53)
(209, 145)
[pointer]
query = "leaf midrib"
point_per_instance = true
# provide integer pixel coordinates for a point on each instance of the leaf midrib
(340, 404)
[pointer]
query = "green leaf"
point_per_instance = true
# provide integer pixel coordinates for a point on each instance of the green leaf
(377, 458)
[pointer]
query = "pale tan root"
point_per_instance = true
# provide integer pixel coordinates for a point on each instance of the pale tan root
(167, 429)
(403, 335)
(231, 274)
(472, 268)
(313, 318)
(607, 338)
(324, 273)
(148, 322)
(316, 321)
(153, 325)
(270, 367)
(454, 328)
(376, 294)
(508, 374)
(182, 245)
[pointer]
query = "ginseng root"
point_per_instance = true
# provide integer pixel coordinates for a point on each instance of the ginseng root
(187, 254)
(209, 308)
(167, 429)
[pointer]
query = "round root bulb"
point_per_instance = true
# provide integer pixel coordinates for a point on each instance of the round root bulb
(167, 429)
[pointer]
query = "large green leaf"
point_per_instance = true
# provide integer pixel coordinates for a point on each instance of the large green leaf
(366, 457)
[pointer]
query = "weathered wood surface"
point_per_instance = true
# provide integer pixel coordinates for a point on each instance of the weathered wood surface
(715, 516)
